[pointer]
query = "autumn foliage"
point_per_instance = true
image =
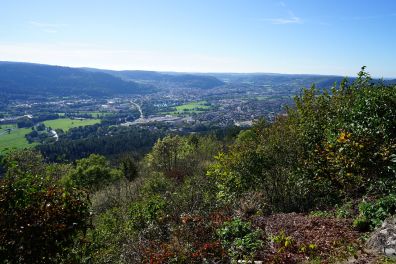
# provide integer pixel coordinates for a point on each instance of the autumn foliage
(39, 220)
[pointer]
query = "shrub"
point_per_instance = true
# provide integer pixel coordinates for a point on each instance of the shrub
(171, 156)
(372, 214)
(144, 212)
(108, 236)
(240, 239)
(319, 213)
(156, 184)
(344, 211)
(361, 223)
(40, 222)
(283, 242)
(92, 173)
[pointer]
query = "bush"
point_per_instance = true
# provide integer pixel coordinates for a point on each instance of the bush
(171, 156)
(111, 232)
(40, 222)
(156, 184)
(346, 210)
(371, 214)
(143, 213)
(361, 223)
(92, 173)
(240, 239)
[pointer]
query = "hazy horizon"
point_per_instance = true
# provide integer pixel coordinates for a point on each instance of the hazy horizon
(287, 37)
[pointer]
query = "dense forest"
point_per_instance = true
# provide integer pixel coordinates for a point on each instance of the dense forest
(99, 139)
(24, 80)
(29, 80)
(198, 81)
(306, 188)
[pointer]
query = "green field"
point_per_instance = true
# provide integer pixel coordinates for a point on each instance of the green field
(98, 114)
(4, 127)
(15, 139)
(94, 114)
(192, 107)
(66, 123)
(260, 98)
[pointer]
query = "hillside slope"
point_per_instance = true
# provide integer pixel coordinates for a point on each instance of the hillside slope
(174, 79)
(21, 80)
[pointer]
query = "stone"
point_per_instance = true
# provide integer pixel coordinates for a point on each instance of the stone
(384, 232)
(390, 252)
(383, 239)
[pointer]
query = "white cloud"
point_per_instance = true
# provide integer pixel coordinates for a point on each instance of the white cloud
(291, 19)
(85, 55)
(47, 27)
(284, 21)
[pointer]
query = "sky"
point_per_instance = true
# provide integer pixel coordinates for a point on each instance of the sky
(291, 36)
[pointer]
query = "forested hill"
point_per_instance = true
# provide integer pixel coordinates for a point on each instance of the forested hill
(297, 81)
(196, 81)
(301, 80)
(27, 80)
(292, 82)
(20, 80)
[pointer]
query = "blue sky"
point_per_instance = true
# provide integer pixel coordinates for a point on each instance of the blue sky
(296, 36)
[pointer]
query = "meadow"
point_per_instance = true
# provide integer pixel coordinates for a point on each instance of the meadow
(15, 137)
(94, 114)
(6, 126)
(66, 123)
(189, 108)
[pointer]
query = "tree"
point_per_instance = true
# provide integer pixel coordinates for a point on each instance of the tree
(169, 155)
(92, 173)
(129, 168)
(40, 127)
(40, 221)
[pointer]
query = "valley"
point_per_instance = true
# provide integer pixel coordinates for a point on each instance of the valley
(186, 103)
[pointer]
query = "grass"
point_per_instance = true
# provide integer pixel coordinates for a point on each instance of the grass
(4, 127)
(66, 123)
(97, 114)
(94, 114)
(15, 139)
(192, 107)
(262, 97)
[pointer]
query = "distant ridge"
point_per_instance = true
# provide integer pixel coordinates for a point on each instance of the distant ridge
(21, 80)
(197, 81)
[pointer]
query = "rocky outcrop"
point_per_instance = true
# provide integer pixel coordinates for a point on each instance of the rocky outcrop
(383, 239)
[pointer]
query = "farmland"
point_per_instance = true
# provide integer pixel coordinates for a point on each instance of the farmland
(66, 123)
(189, 108)
(13, 138)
